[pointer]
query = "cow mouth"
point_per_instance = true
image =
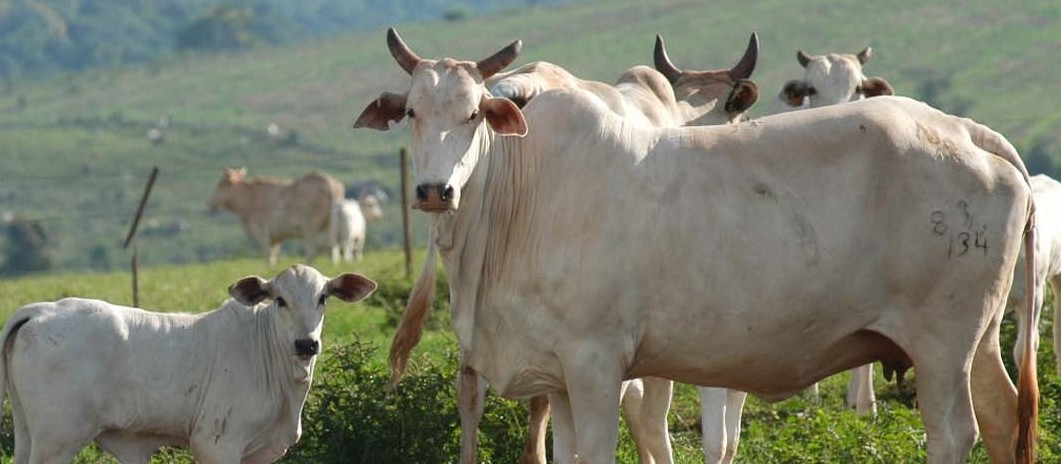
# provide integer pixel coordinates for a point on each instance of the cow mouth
(433, 206)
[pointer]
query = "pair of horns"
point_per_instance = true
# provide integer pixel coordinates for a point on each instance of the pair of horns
(743, 69)
(408, 60)
(863, 56)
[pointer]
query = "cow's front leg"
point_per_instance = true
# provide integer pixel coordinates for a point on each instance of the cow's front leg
(471, 393)
(593, 377)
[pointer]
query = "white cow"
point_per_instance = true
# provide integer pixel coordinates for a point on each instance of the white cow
(351, 225)
(832, 79)
(893, 239)
(1047, 193)
(228, 383)
(648, 96)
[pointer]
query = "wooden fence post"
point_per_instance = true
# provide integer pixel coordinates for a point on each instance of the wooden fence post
(407, 232)
(131, 236)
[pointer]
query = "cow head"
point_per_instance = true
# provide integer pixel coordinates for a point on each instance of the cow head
(450, 110)
(370, 208)
(832, 79)
(701, 91)
(222, 197)
(299, 294)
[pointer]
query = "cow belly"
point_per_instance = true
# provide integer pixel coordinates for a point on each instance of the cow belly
(780, 372)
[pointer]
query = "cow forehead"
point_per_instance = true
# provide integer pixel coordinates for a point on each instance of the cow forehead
(299, 282)
(718, 82)
(444, 83)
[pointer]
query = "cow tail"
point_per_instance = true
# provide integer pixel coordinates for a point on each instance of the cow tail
(7, 337)
(411, 327)
(1027, 379)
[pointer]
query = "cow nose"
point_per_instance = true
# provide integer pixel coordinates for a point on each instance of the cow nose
(307, 347)
(435, 197)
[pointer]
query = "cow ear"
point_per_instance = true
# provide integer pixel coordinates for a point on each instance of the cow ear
(388, 107)
(250, 291)
(351, 288)
(793, 92)
(876, 86)
(742, 97)
(504, 117)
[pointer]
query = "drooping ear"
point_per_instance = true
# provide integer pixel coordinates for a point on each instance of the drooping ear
(794, 91)
(388, 107)
(250, 290)
(350, 288)
(876, 86)
(504, 117)
(744, 94)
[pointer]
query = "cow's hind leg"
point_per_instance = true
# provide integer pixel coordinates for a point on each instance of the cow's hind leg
(860, 393)
(994, 398)
(646, 407)
(537, 421)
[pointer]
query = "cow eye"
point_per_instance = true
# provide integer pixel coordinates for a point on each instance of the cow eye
(475, 114)
(811, 91)
(280, 302)
(858, 90)
(323, 300)
(410, 113)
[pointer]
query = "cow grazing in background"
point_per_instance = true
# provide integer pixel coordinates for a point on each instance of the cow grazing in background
(274, 210)
(1047, 193)
(832, 79)
(230, 383)
(666, 96)
(791, 253)
(351, 224)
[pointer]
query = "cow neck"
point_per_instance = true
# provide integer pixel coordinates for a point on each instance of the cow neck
(273, 370)
(474, 241)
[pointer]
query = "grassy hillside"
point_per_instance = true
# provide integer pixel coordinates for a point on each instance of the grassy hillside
(75, 155)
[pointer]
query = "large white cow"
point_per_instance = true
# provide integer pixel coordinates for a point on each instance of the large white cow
(1047, 193)
(648, 96)
(350, 223)
(274, 210)
(798, 256)
(228, 383)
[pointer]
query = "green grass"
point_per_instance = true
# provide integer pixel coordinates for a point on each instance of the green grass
(798, 430)
(77, 156)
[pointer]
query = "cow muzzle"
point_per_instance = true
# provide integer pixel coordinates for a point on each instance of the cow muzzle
(434, 198)
(307, 347)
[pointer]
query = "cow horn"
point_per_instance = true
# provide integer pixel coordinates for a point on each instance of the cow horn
(863, 56)
(499, 60)
(663, 63)
(401, 52)
(744, 69)
(803, 58)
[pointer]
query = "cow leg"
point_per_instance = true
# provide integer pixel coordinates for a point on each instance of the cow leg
(57, 442)
(471, 392)
(646, 404)
(994, 398)
(720, 413)
(860, 390)
(563, 429)
(537, 420)
(128, 449)
(1055, 285)
(945, 399)
(207, 451)
(594, 380)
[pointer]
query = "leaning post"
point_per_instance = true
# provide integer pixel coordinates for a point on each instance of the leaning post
(131, 236)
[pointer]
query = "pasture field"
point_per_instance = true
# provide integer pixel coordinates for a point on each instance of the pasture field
(350, 418)
(84, 133)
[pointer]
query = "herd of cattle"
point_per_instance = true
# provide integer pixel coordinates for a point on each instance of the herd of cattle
(602, 241)
(312, 208)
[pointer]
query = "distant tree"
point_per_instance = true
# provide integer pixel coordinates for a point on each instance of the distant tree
(26, 248)
(936, 90)
(455, 14)
(223, 27)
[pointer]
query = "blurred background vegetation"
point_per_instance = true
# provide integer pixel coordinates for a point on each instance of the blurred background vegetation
(84, 82)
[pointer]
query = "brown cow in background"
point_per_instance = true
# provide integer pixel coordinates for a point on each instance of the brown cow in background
(274, 210)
